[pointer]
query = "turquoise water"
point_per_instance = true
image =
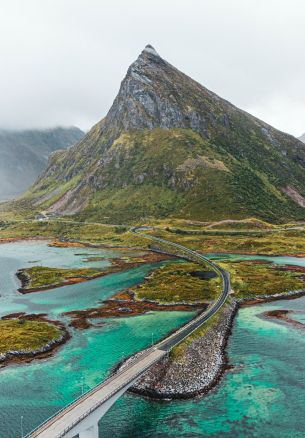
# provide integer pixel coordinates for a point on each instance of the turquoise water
(262, 396)
(37, 390)
(278, 260)
(297, 315)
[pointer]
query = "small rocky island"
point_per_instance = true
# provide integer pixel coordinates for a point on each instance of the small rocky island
(197, 363)
(25, 337)
(39, 278)
(285, 316)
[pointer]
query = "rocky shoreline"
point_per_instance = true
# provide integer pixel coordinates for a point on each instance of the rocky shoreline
(260, 254)
(4, 240)
(200, 368)
(21, 356)
(283, 315)
(259, 299)
(117, 265)
(204, 361)
(25, 280)
(122, 308)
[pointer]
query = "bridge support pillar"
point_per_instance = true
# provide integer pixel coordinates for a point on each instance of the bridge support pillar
(86, 425)
(91, 432)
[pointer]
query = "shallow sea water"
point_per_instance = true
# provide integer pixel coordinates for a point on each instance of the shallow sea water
(263, 395)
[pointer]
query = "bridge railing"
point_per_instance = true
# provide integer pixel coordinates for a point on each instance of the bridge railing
(170, 248)
(85, 395)
(51, 419)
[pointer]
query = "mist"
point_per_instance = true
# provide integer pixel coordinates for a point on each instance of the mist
(63, 60)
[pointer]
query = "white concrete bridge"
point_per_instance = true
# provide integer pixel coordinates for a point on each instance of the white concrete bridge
(81, 417)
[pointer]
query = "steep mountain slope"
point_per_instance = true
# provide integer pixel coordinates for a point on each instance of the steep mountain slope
(169, 146)
(302, 138)
(24, 154)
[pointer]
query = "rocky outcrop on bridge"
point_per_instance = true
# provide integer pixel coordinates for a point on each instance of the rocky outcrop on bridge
(198, 370)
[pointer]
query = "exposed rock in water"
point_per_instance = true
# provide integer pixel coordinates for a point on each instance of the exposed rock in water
(202, 364)
(197, 371)
(285, 316)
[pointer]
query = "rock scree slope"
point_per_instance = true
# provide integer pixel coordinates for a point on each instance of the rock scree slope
(170, 147)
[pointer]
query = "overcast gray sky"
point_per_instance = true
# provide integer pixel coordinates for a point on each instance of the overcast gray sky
(62, 61)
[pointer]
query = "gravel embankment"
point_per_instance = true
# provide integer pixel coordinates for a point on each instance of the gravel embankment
(197, 371)
(204, 361)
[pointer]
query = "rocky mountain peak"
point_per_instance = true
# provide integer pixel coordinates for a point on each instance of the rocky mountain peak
(168, 145)
(147, 62)
(151, 50)
(155, 94)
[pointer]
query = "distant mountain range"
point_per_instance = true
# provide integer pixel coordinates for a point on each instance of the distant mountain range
(24, 154)
(170, 147)
(302, 138)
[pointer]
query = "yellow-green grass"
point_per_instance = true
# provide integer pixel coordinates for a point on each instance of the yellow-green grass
(97, 234)
(43, 276)
(270, 243)
(174, 283)
(19, 334)
(250, 279)
(267, 240)
(178, 352)
(250, 224)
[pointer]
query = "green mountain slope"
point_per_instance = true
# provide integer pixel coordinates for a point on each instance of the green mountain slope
(24, 154)
(168, 146)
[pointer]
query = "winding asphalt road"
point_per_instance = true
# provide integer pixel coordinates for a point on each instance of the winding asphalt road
(100, 398)
(174, 339)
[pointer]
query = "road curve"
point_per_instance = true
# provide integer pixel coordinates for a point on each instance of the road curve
(69, 417)
(174, 339)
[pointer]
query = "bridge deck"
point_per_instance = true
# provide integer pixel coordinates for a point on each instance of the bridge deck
(57, 426)
(73, 414)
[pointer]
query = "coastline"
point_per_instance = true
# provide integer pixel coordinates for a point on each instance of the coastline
(253, 253)
(117, 265)
(283, 316)
(4, 240)
(46, 351)
(81, 244)
(197, 372)
(123, 308)
(163, 381)
(25, 280)
(204, 361)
